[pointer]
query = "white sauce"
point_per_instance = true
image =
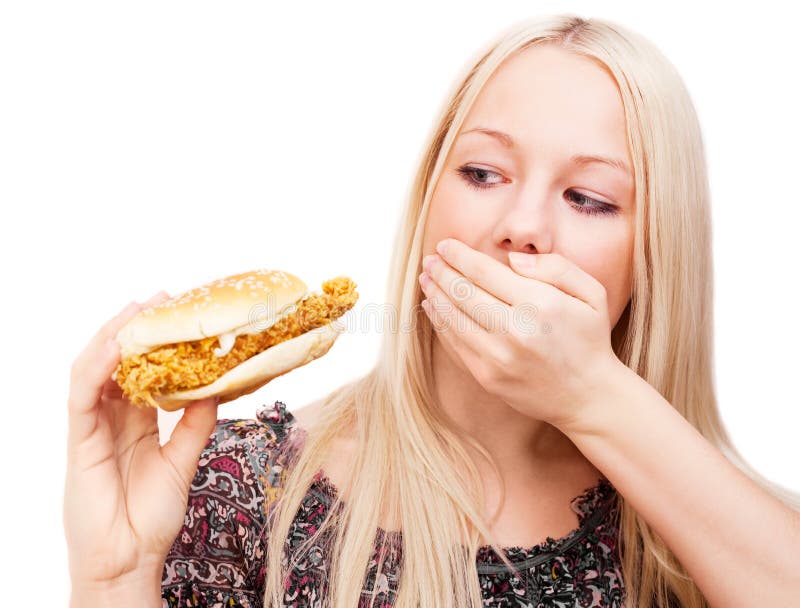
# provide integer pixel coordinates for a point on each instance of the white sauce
(226, 342)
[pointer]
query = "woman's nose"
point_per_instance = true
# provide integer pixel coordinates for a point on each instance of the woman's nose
(525, 227)
(509, 245)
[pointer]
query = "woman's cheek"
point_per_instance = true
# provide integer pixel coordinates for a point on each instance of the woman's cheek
(454, 211)
(612, 269)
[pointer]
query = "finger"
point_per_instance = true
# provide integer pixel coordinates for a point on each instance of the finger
(94, 364)
(111, 328)
(453, 325)
(91, 370)
(444, 320)
(561, 273)
(129, 422)
(161, 296)
(483, 307)
(481, 269)
(190, 436)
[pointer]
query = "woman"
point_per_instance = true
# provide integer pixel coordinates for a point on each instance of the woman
(548, 415)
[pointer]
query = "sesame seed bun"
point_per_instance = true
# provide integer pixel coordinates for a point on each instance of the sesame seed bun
(252, 301)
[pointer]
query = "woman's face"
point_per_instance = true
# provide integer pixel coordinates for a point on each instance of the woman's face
(525, 190)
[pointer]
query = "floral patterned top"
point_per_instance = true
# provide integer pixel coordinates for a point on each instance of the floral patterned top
(217, 559)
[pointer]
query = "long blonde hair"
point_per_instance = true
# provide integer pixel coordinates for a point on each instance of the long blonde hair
(412, 463)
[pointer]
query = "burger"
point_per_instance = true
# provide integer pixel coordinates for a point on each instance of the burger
(228, 337)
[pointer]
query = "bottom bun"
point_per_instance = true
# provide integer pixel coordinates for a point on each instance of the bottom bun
(259, 369)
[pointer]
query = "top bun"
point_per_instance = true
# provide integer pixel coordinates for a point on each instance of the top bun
(248, 302)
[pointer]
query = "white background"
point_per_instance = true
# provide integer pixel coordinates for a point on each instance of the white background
(159, 145)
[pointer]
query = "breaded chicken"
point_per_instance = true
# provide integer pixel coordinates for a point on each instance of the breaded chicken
(188, 365)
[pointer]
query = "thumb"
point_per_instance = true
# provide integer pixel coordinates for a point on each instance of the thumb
(190, 437)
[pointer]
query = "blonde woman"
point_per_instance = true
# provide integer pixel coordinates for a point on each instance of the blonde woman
(541, 427)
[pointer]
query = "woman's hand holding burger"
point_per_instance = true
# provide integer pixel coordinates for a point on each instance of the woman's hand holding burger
(125, 495)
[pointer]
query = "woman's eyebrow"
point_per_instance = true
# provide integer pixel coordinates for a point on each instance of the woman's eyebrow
(579, 159)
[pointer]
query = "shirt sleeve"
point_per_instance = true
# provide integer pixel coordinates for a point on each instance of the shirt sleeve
(216, 559)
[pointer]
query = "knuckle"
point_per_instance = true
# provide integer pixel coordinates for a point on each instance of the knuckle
(546, 305)
(504, 358)
(525, 318)
(484, 377)
(525, 338)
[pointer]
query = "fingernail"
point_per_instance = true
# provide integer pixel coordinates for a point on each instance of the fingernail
(526, 260)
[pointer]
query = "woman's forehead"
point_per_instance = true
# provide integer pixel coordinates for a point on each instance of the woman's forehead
(544, 97)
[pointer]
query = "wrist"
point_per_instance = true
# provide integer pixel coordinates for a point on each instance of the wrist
(140, 588)
(602, 408)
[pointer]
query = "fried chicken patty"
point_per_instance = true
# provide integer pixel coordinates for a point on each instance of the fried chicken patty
(188, 365)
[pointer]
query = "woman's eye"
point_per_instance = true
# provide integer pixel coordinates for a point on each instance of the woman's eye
(589, 205)
(474, 177)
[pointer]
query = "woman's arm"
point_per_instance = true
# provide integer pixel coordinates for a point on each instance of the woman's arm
(738, 542)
